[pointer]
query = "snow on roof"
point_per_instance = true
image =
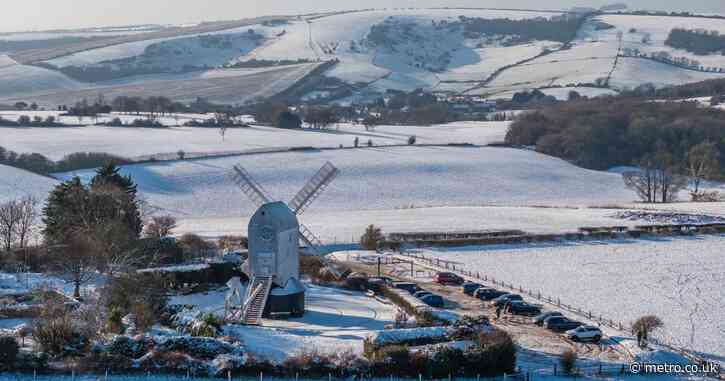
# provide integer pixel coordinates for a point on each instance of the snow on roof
(173, 269)
(407, 335)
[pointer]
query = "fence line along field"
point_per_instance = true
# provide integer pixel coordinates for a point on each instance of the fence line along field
(621, 280)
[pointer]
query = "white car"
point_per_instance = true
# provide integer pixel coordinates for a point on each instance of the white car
(585, 333)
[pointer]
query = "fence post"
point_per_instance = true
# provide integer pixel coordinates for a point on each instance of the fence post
(554, 369)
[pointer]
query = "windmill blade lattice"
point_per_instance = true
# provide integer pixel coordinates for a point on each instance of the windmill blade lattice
(250, 187)
(313, 188)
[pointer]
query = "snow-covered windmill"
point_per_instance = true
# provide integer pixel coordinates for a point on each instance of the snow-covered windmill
(274, 235)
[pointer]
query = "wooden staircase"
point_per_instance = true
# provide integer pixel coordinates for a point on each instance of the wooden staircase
(256, 300)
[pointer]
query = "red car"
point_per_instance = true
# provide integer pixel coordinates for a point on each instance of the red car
(448, 278)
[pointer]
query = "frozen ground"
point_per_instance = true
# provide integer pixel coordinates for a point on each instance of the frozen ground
(132, 142)
(335, 321)
(378, 178)
(680, 279)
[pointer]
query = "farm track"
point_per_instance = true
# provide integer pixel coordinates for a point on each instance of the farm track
(527, 335)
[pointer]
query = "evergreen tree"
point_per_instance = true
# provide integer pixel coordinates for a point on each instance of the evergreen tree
(74, 208)
(123, 191)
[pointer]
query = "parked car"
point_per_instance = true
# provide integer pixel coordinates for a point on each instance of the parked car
(518, 307)
(412, 288)
(560, 324)
(488, 293)
(433, 300)
(539, 319)
(447, 278)
(585, 333)
(422, 293)
(469, 288)
(505, 298)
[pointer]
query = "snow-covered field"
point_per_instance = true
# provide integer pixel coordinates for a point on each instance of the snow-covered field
(347, 226)
(648, 34)
(18, 80)
(132, 142)
(230, 89)
(378, 178)
(335, 321)
(682, 280)
(16, 183)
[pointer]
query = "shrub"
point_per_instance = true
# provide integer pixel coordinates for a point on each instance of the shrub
(412, 140)
(55, 332)
(8, 352)
(141, 295)
(448, 361)
(496, 354)
(311, 362)
(370, 239)
(568, 362)
(208, 325)
(114, 321)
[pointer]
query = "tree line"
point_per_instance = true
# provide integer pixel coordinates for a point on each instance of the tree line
(561, 29)
(38, 163)
(662, 138)
(700, 42)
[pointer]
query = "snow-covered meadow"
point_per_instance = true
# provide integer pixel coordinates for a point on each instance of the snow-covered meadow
(16, 183)
(682, 280)
(133, 142)
(378, 178)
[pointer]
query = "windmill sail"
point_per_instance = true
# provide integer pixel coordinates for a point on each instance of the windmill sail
(313, 188)
(250, 187)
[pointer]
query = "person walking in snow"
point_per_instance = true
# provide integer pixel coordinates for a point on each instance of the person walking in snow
(498, 312)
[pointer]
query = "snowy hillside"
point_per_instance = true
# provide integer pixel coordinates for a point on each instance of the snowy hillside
(401, 49)
(21, 80)
(133, 142)
(622, 280)
(16, 183)
(379, 178)
(234, 87)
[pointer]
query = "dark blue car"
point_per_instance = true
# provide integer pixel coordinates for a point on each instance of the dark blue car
(433, 300)
(469, 288)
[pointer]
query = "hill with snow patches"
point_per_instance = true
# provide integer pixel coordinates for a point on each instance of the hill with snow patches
(16, 183)
(376, 50)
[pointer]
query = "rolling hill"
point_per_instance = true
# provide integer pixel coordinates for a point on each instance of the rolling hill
(375, 51)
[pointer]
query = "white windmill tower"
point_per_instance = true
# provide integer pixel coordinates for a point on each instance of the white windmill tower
(274, 233)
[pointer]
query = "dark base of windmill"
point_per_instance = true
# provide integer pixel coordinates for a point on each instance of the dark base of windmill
(281, 306)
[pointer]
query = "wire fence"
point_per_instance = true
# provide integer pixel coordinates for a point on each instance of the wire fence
(439, 264)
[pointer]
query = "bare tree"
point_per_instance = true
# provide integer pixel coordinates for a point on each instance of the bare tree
(643, 182)
(160, 226)
(28, 217)
(9, 220)
(670, 181)
(75, 262)
(657, 180)
(643, 326)
(702, 163)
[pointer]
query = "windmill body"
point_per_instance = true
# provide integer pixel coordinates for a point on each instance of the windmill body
(273, 265)
(274, 254)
